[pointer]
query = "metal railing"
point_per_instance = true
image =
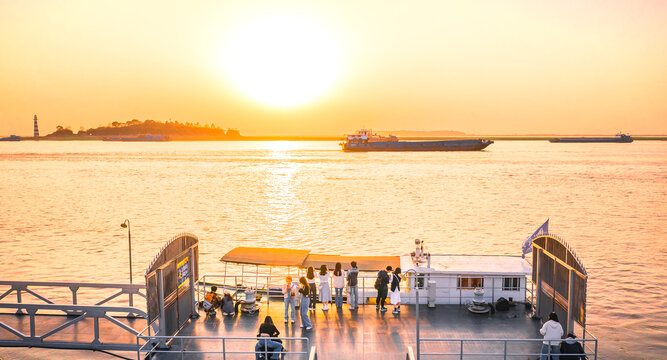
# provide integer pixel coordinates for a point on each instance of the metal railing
(29, 287)
(270, 285)
(82, 312)
(496, 348)
(225, 347)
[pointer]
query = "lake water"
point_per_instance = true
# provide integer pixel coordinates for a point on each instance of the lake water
(63, 202)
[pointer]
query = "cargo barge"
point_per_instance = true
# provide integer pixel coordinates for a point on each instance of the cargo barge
(364, 140)
(619, 138)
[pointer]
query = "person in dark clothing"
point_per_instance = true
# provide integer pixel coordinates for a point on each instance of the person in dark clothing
(381, 286)
(352, 284)
(310, 277)
(227, 304)
(270, 347)
(571, 349)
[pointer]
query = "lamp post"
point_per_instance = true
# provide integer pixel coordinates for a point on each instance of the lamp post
(126, 224)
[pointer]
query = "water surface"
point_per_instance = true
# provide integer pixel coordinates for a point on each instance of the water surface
(63, 202)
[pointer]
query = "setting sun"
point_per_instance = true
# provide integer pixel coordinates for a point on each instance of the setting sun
(282, 60)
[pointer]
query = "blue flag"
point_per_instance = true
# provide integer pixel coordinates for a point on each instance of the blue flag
(528, 243)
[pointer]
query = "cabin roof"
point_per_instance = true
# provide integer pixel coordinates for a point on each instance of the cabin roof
(303, 258)
(266, 256)
(475, 264)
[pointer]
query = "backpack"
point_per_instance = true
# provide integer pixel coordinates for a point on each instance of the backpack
(378, 283)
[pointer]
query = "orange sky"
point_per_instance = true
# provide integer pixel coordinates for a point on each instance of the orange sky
(493, 67)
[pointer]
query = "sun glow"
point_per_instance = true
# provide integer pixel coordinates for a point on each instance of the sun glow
(282, 60)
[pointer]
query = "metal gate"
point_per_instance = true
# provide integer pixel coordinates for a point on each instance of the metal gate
(561, 279)
(170, 291)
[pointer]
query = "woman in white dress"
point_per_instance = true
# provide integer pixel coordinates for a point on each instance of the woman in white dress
(395, 295)
(325, 288)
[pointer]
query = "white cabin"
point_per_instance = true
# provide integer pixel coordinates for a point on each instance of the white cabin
(455, 278)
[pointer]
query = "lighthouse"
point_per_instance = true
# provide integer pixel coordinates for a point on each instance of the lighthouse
(36, 128)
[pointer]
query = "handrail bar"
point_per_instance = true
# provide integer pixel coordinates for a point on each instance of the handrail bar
(68, 284)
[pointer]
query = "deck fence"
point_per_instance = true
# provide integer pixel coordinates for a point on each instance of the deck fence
(223, 347)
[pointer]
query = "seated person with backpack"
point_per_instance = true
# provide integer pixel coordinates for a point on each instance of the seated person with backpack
(267, 349)
(212, 301)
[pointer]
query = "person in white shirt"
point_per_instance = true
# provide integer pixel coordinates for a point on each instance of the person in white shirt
(338, 284)
(553, 332)
(325, 288)
(289, 294)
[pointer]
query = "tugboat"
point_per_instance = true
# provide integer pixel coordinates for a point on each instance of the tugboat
(366, 140)
(619, 138)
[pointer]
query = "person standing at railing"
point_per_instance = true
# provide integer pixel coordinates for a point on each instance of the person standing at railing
(352, 284)
(338, 285)
(304, 290)
(571, 349)
(289, 294)
(395, 295)
(310, 274)
(381, 286)
(553, 332)
(325, 289)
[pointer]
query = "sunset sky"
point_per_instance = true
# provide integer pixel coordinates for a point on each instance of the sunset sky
(319, 68)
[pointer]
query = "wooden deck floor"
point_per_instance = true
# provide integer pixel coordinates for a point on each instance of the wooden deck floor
(363, 334)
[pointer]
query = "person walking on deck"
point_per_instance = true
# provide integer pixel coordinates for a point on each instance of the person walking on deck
(310, 274)
(552, 330)
(338, 284)
(289, 294)
(325, 289)
(304, 291)
(381, 285)
(395, 295)
(353, 291)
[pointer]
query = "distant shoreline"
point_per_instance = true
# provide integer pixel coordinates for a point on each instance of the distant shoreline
(336, 138)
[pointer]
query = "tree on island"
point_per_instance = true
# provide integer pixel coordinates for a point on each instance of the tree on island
(136, 127)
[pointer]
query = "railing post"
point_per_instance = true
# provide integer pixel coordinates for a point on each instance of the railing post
(417, 322)
(182, 350)
(505, 351)
(363, 290)
(191, 264)
(596, 349)
(74, 290)
(96, 321)
(461, 357)
(224, 351)
(160, 286)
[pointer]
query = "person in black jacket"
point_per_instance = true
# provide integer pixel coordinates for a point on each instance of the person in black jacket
(270, 347)
(571, 349)
(381, 286)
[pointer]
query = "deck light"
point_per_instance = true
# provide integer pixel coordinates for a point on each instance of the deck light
(126, 224)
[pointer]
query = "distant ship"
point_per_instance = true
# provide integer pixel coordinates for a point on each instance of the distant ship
(366, 140)
(148, 137)
(619, 138)
(11, 138)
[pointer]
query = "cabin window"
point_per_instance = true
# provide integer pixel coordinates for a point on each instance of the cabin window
(470, 282)
(512, 284)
